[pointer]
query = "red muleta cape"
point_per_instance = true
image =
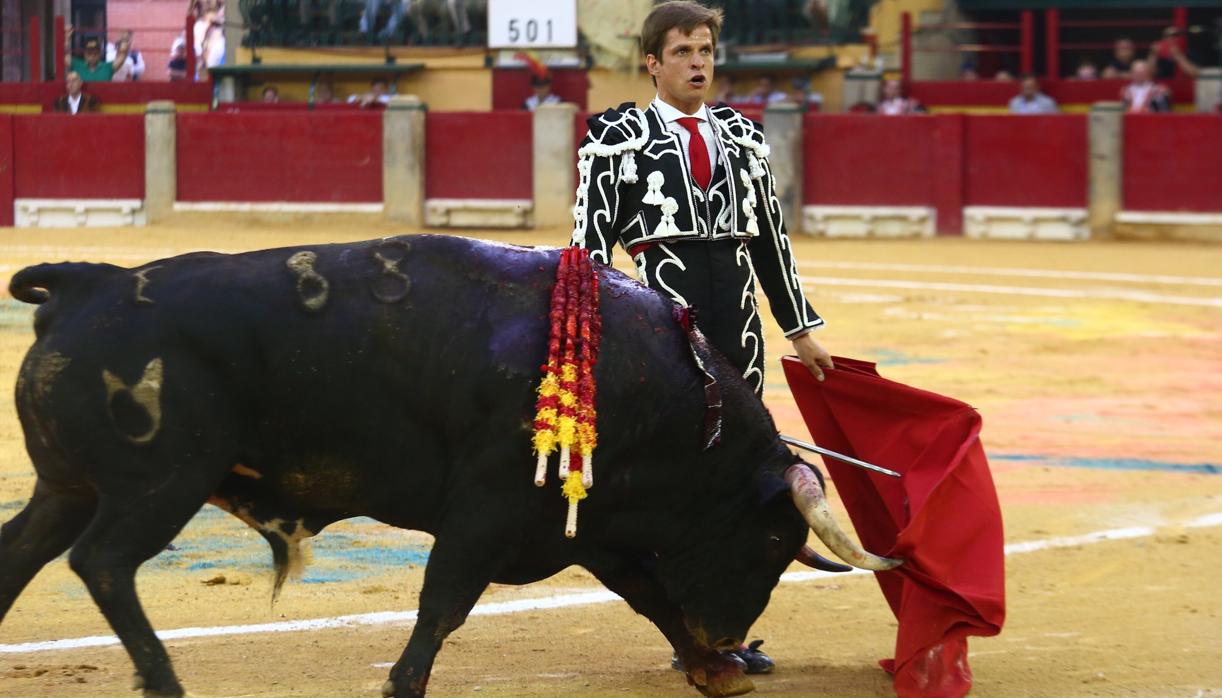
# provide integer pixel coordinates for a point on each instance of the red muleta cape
(942, 517)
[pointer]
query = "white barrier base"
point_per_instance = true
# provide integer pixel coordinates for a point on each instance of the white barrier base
(273, 207)
(1169, 218)
(869, 221)
(479, 213)
(1024, 223)
(77, 213)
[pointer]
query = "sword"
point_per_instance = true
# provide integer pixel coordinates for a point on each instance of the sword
(805, 445)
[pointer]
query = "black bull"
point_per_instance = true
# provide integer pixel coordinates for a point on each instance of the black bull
(392, 379)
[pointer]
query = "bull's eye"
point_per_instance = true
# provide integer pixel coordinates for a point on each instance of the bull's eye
(774, 543)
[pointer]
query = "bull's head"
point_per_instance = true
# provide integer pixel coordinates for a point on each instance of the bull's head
(724, 583)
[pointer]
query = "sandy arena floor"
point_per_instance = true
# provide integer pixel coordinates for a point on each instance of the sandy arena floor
(1097, 368)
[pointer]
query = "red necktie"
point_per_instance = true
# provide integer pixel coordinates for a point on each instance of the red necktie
(697, 152)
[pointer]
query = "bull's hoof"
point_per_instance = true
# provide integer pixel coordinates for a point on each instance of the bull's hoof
(388, 689)
(139, 684)
(720, 681)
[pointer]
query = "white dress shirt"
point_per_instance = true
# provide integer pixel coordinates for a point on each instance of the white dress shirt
(670, 117)
(74, 104)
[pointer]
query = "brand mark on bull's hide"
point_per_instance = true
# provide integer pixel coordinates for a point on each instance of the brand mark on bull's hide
(311, 286)
(136, 409)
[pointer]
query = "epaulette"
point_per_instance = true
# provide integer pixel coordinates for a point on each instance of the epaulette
(615, 131)
(745, 133)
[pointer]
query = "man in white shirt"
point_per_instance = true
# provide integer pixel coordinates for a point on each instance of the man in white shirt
(75, 100)
(1143, 95)
(542, 86)
(1030, 100)
(131, 69)
(688, 192)
(702, 224)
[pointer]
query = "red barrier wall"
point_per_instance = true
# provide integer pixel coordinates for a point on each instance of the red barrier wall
(1173, 163)
(946, 161)
(299, 156)
(960, 93)
(6, 170)
(87, 156)
(1026, 161)
(861, 160)
(44, 94)
(479, 155)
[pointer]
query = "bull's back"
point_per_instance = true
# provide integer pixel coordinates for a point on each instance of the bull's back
(358, 370)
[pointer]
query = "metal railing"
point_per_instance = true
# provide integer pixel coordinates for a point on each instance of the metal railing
(1024, 48)
(344, 23)
(21, 52)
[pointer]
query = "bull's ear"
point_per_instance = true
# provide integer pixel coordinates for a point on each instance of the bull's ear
(769, 485)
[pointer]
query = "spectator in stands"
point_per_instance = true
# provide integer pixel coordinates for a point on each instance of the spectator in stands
(209, 43)
(91, 68)
(542, 85)
(369, 18)
(132, 69)
(1086, 71)
(892, 101)
(1143, 95)
(177, 67)
(271, 95)
(76, 100)
(968, 71)
(1167, 54)
(324, 93)
(1123, 54)
(1003, 75)
(1030, 100)
(765, 92)
(803, 94)
(377, 96)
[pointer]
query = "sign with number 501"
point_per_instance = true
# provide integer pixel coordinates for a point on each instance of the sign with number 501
(532, 23)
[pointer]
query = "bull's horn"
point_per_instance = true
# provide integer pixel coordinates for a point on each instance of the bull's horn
(812, 503)
(807, 556)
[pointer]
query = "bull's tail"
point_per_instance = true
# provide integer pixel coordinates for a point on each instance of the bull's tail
(36, 284)
(289, 556)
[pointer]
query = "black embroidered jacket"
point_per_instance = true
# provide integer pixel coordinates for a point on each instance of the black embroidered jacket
(635, 186)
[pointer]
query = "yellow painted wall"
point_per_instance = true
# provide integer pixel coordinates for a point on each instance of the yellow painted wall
(885, 19)
(453, 89)
(452, 79)
(610, 88)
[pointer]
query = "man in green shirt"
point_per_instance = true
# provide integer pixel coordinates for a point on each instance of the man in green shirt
(91, 68)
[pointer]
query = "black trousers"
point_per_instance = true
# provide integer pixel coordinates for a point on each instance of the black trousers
(717, 280)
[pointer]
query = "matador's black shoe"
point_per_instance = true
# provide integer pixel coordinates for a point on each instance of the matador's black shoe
(750, 658)
(757, 662)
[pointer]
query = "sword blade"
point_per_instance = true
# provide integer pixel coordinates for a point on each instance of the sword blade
(806, 445)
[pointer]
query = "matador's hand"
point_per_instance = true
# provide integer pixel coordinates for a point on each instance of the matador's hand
(813, 356)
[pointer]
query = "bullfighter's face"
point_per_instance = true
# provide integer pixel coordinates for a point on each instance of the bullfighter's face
(684, 71)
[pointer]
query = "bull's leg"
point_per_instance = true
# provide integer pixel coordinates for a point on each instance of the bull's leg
(45, 528)
(464, 560)
(123, 534)
(711, 673)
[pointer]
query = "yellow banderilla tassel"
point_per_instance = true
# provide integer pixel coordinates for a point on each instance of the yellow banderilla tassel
(574, 491)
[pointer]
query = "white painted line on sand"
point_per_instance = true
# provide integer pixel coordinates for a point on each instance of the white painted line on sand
(1017, 271)
(587, 598)
(814, 282)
